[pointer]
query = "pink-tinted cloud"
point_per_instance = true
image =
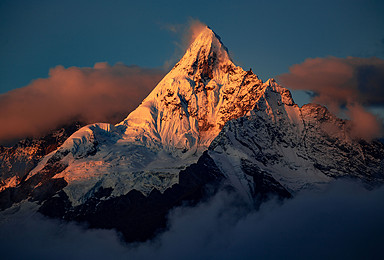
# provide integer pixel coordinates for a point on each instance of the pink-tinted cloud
(364, 124)
(350, 83)
(339, 80)
(103, 93)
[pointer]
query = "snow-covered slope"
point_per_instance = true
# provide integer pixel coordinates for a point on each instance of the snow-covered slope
(297, 148)
(167, 132)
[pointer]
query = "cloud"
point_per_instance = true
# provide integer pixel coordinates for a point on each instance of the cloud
(338, 80)
(103, 93)
(350, 82)
(364, 124)
(344, 221)
(42, 238)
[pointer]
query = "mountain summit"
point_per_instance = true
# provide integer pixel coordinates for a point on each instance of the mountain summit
(191, 104)
(205, 55)
(208, 121)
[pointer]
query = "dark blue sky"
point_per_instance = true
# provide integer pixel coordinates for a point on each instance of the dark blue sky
(268, 36)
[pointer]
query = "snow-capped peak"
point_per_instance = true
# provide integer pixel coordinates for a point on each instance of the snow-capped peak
(191, 104)
(205, 54)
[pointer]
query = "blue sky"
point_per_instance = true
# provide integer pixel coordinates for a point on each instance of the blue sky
(268, 36)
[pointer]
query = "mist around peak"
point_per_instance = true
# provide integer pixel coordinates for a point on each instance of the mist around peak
(351, 85)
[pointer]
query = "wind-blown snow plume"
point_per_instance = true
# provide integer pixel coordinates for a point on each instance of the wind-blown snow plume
(350, 82)
(103, 93)
(187, 33)
(195, 28)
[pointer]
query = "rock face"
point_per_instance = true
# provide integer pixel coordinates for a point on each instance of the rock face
(17, 161)
(206, 125)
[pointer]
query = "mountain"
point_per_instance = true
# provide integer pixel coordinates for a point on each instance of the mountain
(167, 132)
(207, 125)
(293, 148)
(17, 161)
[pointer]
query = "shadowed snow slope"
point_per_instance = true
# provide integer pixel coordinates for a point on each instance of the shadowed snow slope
(297, 148)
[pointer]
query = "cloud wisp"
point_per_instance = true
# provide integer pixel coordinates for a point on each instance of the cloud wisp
(103, 93)
(343, 83)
